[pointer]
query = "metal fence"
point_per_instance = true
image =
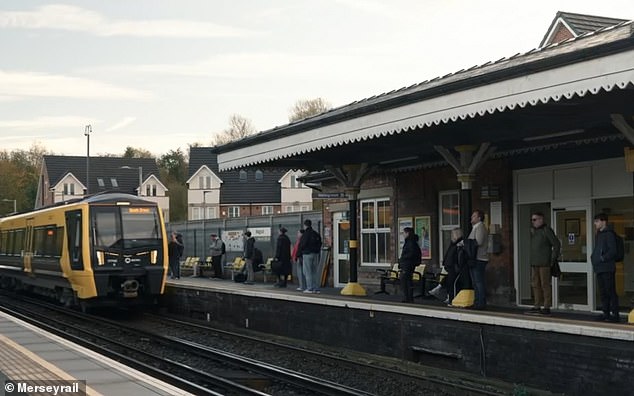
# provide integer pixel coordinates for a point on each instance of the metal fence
(264, 228)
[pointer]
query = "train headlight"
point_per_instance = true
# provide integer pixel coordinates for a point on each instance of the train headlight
(153, 256)
(101, 258)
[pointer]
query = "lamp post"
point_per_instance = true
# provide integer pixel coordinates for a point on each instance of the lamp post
(140, 168)
(15, 204)
(87, 132)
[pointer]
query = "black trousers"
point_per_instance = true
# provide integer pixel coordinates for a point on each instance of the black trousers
(406, 283)
(607, 290)
(216, 264)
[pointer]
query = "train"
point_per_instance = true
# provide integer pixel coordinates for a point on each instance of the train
(108, 249)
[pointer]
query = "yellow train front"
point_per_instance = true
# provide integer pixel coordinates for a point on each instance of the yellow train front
(103, 250)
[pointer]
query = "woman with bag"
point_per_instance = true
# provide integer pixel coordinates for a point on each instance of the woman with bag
(281, 265)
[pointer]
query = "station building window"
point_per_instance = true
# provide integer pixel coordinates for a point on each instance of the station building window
(449, 217)
(376, 222)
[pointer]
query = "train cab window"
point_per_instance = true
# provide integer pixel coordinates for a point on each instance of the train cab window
(125, 227)
(74, 233)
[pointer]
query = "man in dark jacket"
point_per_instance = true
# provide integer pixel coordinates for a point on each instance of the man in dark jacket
(604, 264)
(283, 257)
(410, 258)
(544, 250)
(310, 246)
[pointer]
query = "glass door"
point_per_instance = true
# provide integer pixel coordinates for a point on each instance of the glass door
(574, 288)
(341, 239)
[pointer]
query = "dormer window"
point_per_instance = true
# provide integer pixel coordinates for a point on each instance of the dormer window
(259, 176)
(100, 182)
(243, 176)
(114, 183)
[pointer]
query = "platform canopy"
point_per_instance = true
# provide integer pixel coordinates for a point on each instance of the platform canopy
(562, 94)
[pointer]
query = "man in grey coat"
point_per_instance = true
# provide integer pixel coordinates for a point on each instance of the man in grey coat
(544, 250)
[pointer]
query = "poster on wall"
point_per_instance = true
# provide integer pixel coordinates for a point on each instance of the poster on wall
(402, 223)
(261, 233)
(233, 240)
(422, 228)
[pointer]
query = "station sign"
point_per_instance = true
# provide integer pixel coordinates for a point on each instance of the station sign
(330, 195)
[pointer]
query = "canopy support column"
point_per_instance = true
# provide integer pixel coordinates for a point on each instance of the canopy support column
(466, 166)
(351, 177)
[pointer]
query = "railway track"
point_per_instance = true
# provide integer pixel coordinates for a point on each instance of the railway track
(188, 365)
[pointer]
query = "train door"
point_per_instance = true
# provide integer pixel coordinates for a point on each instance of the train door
(574, 289)
(341, 257)
(74, 239)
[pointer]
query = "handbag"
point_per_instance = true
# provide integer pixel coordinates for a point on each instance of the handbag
(276, 266)
(555, 271)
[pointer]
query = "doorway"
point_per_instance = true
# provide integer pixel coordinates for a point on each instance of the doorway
(574, 289)
(341, 256)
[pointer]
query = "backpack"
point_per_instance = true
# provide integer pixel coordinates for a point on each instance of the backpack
(224, 249)
(315, 241)
(620, 247)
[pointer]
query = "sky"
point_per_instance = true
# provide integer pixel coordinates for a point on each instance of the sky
(162, 74)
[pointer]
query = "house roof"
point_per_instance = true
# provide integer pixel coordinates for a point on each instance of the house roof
(233, 190)
(537, 77)
(105, 168)
(579, 24)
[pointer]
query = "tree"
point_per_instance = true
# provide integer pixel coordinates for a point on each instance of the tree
(19, 175)
(173, 168)
(133, 152)
(305, 108)
(239, 127)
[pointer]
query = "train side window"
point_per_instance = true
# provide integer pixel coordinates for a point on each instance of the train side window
(73, 230)
(4, 236)
(18, 243)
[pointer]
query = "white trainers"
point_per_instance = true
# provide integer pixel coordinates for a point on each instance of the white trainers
(299, 289)
(435, 290)
(307, 291)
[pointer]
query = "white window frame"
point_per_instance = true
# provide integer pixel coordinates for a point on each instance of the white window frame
(442, 226)
(267, 210)
(233, 211)
(195, 213)
(210, 213)
(374, 230)
(288, 209)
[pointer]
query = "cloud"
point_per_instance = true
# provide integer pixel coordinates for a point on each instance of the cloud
(47, 123)
(121, 124)
(20, 84)
(65, 17)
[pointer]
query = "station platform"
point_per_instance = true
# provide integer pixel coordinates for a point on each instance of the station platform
(567, 322)
(565, 352)
(34, 356)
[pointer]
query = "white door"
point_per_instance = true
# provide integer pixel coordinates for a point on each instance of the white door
(341, 239)
(574, 289)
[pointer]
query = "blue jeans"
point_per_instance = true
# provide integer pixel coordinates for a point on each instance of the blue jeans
(478, 278)
(310, 268)
(301, 276)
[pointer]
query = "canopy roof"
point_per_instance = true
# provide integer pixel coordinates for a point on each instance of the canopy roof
(553, 94)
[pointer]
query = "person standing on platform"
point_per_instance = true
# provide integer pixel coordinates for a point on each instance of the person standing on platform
(216, 252)
(604, 264)
(453, 262)
(410, 258)
(310, 246)
(480, 234)
(296, 255)
(283, 256)
(249, 256)
(544, 250)
(174, 252)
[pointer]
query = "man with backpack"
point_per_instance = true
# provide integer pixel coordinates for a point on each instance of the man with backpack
(604, 257)
(310, 246)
